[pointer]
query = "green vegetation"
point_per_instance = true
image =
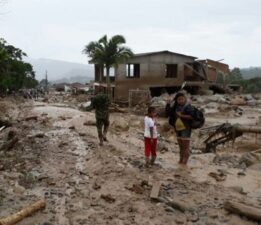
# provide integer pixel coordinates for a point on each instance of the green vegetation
(234, 75)
(108, 53)
(14, 72)
(252, 85)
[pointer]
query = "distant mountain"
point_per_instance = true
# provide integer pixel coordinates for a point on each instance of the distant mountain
(251, 72)
(62, 70)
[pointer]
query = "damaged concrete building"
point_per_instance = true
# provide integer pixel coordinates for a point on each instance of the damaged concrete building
(161, 71)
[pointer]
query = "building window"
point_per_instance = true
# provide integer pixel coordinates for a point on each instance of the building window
(111, 72)
(172, 70)
(133, 70)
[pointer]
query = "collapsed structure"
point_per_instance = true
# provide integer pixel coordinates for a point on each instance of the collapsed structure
(160, 71)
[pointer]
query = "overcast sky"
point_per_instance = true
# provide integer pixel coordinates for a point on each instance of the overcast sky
(59, 29)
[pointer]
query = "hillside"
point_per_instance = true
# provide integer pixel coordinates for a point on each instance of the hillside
(251, 72)
(64, 71)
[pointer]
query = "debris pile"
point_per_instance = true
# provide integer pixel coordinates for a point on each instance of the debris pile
(50, 149)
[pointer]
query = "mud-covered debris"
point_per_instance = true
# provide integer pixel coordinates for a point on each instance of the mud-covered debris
(136, 188)
(144, 183)
(248, 211)
(180, 219)
(251, 158)
(89, 123)
(31, 118)
(108, 198)
(218, 176)
(82, 134)
(9, 144)
(179, 205)
(96, 186)
(227, 159)
(192, 216)
(162, 147)
(39, 135)
(5, 122)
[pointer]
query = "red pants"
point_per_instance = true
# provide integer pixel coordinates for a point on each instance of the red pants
(150, 148)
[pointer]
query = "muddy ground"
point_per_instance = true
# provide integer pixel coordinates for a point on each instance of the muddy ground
(57, 158)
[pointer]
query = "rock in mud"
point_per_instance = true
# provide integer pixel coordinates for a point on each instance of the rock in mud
(169, 209)
(108, 198)
(180, 219)
(193, 217)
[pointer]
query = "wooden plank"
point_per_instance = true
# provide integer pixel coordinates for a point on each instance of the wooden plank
(199, 74)
(250, 212)
(155, 190)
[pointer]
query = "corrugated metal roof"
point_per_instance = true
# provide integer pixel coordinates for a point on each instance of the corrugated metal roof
(160, 52)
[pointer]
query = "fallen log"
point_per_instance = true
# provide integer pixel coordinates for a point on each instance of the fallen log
(25, 212)
(250, 212)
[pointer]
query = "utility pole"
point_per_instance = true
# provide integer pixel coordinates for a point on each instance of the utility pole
(46, 82)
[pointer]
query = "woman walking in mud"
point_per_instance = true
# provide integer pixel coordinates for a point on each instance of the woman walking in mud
(180, 116)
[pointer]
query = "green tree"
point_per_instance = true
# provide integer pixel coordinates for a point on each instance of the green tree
(108, 53)
(14, 72)
(234, 75)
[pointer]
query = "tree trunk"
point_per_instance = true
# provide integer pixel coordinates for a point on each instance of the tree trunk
(108, 82)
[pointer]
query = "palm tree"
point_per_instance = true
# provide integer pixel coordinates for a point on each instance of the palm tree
(108, 53)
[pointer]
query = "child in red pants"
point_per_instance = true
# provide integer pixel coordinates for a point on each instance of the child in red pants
(150, 136)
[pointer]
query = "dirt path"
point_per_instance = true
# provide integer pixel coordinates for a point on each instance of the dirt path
(87, 184)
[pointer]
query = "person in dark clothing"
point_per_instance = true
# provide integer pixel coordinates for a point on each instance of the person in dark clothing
(180, 116)
(101, 103)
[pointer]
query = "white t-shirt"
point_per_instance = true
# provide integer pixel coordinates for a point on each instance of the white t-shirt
(148, 123)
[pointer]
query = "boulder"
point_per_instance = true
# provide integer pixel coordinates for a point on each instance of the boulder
(251, 102)
(238, 100)
(248, 97)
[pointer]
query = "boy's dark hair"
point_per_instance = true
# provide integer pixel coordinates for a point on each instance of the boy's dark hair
(151, 109)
